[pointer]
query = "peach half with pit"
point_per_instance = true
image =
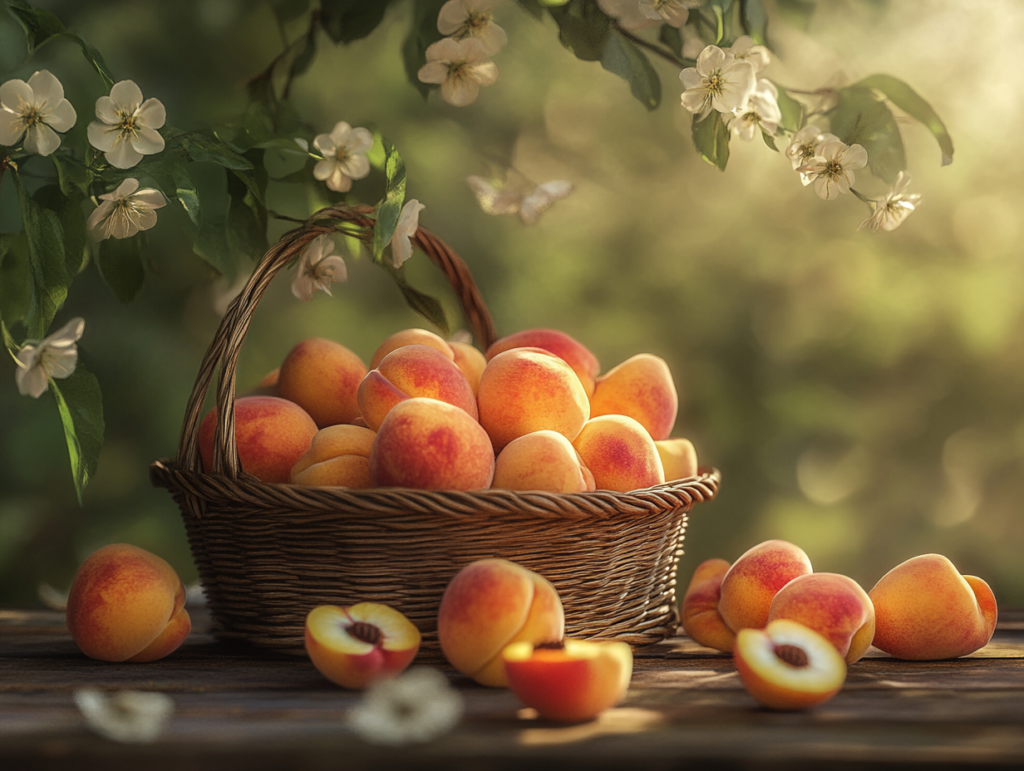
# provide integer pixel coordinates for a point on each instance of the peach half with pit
(924, 609)
(787, 666)
(569, 680)
(127, 604)
(357, 645)
(490, 604)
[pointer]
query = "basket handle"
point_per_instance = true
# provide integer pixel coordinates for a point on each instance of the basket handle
(227, 342)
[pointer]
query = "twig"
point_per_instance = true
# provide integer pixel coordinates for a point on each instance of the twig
(664, 53)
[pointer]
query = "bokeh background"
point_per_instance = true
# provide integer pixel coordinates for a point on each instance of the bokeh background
(863, 395)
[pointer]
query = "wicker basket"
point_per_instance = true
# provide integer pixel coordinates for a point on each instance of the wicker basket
(268, 553)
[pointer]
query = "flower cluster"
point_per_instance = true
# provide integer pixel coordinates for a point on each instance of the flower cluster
(641, 14)
(502, 198)
(126, 130)
(461, 62)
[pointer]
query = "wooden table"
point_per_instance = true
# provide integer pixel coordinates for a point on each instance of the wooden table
(686, 708)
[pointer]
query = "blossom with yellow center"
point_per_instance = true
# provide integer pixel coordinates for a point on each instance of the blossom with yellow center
(127, 127)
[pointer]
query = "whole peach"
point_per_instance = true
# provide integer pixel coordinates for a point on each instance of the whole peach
(127, 604)
(565, 347)
(678, 457)
(542, 460)
(271, 434)
(620, 453)
(642, 388)
(322, 376)
(755, 578)
(411, 337)
(699, 612)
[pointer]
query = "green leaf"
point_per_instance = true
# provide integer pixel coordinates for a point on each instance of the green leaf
(792, 111)
(423, 304)
(15, 277)
(672, 38)
(860, 118)
(211, 244)
(120, 264)
(80, 403)
(348, 20)
(622, 57)
(532, 7)
(711, 138)
(72, 174)
(92, 55)
(14, 51)
(43, 26)
(391, 207)
(204, 147)
(583, 29)
(769, 140)
(422, 34)
(755, 20)
(187, 194)
(68, 209)
(50, 279)
(908, 100)
(304, 57)
(246, 220)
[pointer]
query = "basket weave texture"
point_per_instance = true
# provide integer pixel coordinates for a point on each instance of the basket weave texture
(269, 553)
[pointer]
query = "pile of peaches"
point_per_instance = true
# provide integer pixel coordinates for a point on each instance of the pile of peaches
(532, 413)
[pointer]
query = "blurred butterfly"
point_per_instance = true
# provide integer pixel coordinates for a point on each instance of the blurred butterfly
(494, 200)
(541, 199)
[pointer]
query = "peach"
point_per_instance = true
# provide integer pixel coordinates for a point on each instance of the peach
(411, 371)
(566, 348)
(358, 645)
(528, 389)
(787, 666)
(271, 434)
(620, 454)
(543, 460)
(642, 388)
(699, 612)
(924, 609)
(678, 457)
(411, 337)
(431, 445)
(339, 456)
(571, 680)
(490, 604)
(322, 376)
(834, 606)
(127, 604)
(755, 578)
(470, 362)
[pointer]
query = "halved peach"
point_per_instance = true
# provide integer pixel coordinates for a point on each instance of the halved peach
(570, 680)
(788, 666)
(356, 645)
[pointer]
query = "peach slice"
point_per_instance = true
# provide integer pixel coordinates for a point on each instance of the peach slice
(571, 680)
(787, 666)
(127, 604)
(699, 612)
(755, 578)
(357, 645)
(834, 606)
(924, 609)
(490, 604)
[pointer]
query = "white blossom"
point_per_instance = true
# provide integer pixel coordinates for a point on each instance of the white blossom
(745, 50)
(627, 13)
(37, 110)
(129, 717)
(344, 151)
(127, 126)
(408, 224)
(495, 198)
(55, 357)
(804, 146)
(414, 707)
(126, 211)
(460, 19)
(318, 269)
(894, 207)
(717, 82)
(762, 112)
(461, 67)
(671, 12)
(832, 168)
(545, 194)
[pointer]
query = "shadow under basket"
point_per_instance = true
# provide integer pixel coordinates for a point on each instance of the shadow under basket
(267, 554)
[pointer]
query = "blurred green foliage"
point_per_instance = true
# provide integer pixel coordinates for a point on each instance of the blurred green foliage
(860, 393)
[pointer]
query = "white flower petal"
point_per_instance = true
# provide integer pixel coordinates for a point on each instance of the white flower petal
(32, 382)
(151, 197)
(60, 364)
(360, 141)
(485, 73)
(433, 72)
(451, 17)
(16, 95)
(323, 169)
(41, 139)
(11, 128)
(125, 189)
(152, 114)
(460, 91)
(99, 214)
(102, 136)
(356, 166)
(444, 50)
(339, 181)
(325, 145)
(148, 141)
(67, 335)
(855, 157)
(493, 37)
(711, 58)
(340, 133)
(123, 155)
(145, 219)
(62, 117)
(106, 111)
(126, 95)
(47, 90)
